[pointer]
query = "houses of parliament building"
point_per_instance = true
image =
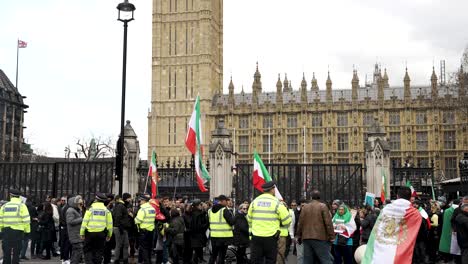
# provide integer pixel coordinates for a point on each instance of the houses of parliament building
(424, 125)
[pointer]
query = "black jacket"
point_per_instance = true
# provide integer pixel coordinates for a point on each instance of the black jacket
(120, 216)
(198, 226)
(241, 230)
(176, 230)
(367, 224)
(462, 229)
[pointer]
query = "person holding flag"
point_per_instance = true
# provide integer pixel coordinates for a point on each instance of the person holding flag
(394, 235)
(193, 142)
(345, 226)
(266, 215)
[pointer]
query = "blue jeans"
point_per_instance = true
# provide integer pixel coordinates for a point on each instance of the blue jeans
(317, 249)
(24, 246)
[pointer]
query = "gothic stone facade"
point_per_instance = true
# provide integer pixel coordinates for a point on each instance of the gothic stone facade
(12, 109)
(187, 61)
(423, 124)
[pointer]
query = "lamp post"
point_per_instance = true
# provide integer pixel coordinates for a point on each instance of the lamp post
(125, 15)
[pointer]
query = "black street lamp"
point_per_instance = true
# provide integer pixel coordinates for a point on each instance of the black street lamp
(125, 15)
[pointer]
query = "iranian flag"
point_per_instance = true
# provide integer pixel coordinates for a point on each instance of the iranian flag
(394, 234)
(384, 185)
(153, 174)
(448, 240)
(193, 142)
(261, 175)
(413, 192)
(425, 216)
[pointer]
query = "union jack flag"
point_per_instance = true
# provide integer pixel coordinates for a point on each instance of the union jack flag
(22, 44)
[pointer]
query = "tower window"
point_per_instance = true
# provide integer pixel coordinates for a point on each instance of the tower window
(342, 119)
(292, 143)
(342, 142)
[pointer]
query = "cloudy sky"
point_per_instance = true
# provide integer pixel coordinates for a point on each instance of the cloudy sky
(71, 70)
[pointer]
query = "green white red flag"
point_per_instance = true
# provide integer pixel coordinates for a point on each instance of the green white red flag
(153, 174)
(384, 185)
(413, 191)
(394, 235)
(262, 176)
(448, 239)
(193, 142)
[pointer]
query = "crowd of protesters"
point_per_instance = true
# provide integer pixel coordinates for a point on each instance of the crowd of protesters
(319, 232)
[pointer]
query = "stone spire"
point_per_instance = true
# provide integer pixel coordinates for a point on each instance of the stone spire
(354, 86)
(231, 92)
(279, 91)
(385, 79)
(257, 84)
(303, 89)
(285, 83)
(329, 89)
(461, 82)
(406, 82)
(380, 87)
(315, 87)
(434, 91)
(376, 76)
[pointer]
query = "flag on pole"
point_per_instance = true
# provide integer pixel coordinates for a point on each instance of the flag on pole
(22, 44)
(384, 187)
(193, 142)
(153, 174)
(261, 175)
(413, 192)
(394, 234)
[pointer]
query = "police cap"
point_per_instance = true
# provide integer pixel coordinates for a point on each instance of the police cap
(101, 197)
(14, 192)
(144, 197)
(222, 197)
(268, 186)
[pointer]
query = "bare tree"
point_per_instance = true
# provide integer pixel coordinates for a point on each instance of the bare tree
(90, 149)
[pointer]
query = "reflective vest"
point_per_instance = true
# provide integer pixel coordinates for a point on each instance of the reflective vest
(218, 225)
(145, 217)
(265, 215)
(97, 219)
(15, 215)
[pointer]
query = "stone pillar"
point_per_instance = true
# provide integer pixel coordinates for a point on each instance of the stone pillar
(131, 156)
(377, 160)
(221, 161)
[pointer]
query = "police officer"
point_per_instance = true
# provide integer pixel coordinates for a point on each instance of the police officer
(14, 223)
(145, 220)
(266, 216)
(221, 235)
(96, 229)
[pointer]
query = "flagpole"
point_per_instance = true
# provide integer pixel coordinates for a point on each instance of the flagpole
(269, 146)
(146, 184)
(304, 160)
(17, 60)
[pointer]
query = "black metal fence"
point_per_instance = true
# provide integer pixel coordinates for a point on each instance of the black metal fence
(294, 181)
(177, 179)
(422, 180)
(37, 180)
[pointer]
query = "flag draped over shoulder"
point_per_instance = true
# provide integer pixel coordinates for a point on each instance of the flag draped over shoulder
(394, 234)
(448, 240)
(153, 174)
(262, 176)
(193, 142)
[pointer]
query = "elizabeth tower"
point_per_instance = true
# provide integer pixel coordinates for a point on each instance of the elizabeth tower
(187, 61)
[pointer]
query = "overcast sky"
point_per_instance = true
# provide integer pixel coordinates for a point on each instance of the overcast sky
(72, 68)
